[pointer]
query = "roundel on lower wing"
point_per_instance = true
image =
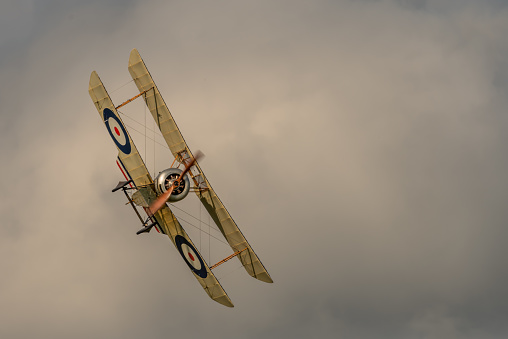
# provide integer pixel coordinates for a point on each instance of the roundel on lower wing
(191, 256)
(117, 131)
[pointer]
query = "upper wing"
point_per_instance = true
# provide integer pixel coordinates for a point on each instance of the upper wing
(181, 151)
(127, 151)
(156, 104)
(134, 165)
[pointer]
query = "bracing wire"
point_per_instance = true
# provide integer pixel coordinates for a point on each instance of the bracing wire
(140, 124)
(211, 229)
(158, 143)
(230, 272)
(119, 88)
(190, 215)
(222, 241)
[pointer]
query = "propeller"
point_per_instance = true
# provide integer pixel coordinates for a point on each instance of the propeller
(161, 199)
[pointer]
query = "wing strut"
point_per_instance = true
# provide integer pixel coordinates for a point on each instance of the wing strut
(131, 99)
(226, 259)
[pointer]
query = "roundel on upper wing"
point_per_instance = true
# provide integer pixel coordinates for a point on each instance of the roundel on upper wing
(191, 256)
(117, 131)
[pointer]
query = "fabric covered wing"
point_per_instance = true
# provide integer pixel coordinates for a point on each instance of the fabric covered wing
(155, 103)
(181, 151)
(127, 151)
(232, 233)
(188, 251)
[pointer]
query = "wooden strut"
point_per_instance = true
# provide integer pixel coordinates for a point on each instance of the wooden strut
(197, 184)
(132, 204)
(135, 97)
(228, 258)
(174, 163)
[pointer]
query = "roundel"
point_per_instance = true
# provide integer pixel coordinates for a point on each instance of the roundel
(117, 131)
(191, 256)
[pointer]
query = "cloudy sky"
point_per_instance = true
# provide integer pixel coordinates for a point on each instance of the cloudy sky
(359, 145)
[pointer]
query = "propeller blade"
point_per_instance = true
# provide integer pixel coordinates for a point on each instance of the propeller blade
(198, 155)
(161, 200)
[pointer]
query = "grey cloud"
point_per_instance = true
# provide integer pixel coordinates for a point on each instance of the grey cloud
(359, 145)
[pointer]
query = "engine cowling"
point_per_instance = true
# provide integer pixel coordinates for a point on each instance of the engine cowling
(165, 179)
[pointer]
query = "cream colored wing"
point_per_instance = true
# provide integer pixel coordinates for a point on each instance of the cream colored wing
(188, 251)
(181, 151)
(127, 151)
(136, 169)
(156, 104)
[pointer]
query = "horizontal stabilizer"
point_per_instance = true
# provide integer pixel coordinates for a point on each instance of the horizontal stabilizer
(121, 184)
(146, 229)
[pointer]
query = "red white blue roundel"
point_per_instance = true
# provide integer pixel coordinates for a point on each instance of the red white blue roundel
(191, 256)
(117, 131)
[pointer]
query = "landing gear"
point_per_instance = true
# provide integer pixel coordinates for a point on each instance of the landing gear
(123, 185)
(146, 228)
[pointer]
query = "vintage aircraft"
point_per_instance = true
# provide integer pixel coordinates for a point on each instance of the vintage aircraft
(172, 184)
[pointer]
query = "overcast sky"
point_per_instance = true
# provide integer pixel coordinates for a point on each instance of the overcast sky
(359, 145)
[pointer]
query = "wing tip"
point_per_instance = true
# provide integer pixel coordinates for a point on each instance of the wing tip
(265, 278)
(93, 76)
(94, 80)
(225, 301)
(134, 57)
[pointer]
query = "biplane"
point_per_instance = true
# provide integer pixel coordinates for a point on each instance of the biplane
(170, 185)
